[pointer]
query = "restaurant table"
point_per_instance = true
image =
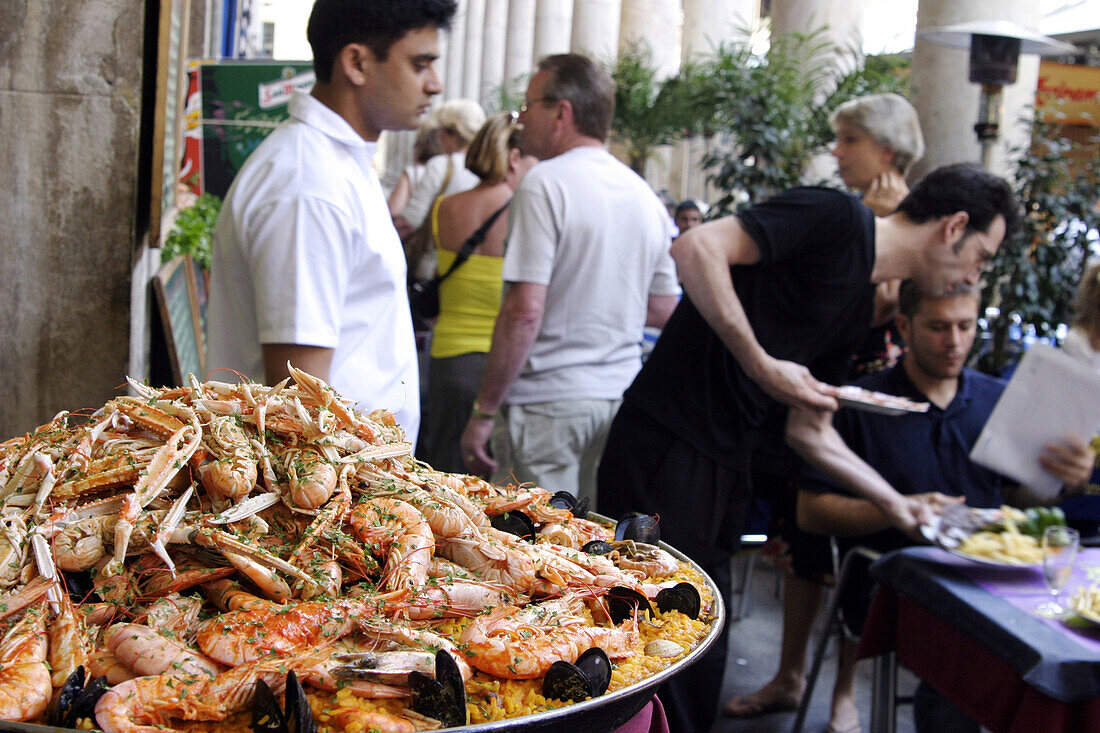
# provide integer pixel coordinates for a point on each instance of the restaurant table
(971, 631)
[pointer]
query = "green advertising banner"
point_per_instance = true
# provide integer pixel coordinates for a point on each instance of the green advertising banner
(239, 103)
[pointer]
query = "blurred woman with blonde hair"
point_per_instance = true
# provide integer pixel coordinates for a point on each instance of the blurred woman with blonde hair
(470, 296)
(456, 122)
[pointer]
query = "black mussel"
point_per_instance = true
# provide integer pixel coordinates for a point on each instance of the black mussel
(587, 678)
(565, 500)
(563, 681)
(81, 585)
(623, 602)
(516, 523)
(430, 698)
(267, 714)
(638, 527)
(449, 677)
(84, 704)
(580, 509)
(682, 597)
(597, 668)
(562, 500)
(299, 715)
(295, 717)
(597, 547)
(62, 704)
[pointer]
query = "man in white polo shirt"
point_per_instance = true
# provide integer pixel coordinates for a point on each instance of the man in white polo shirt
(587, 267)
(306, 265)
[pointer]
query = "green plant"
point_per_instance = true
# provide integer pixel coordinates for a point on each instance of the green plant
(508, 96)
(648, 111)
(1034, 277)
(772, 110)
(190, 235)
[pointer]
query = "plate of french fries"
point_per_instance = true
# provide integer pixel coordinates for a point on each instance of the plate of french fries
(987, 536)
(1085, 602)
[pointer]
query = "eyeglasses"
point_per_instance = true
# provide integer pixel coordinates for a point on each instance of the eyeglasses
(527, 104)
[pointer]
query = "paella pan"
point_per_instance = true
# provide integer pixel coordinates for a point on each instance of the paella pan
(241, 557)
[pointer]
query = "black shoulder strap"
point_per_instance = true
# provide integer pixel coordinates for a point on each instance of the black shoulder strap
(474, 241)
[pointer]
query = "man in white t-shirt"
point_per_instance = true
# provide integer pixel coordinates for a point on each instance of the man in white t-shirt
(307, 267)
(587, 267)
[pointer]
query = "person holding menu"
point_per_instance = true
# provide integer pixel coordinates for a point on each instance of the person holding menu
(306, 266)
(920, 453)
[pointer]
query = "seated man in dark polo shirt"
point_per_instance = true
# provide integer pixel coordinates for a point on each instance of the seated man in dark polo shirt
(920, 453)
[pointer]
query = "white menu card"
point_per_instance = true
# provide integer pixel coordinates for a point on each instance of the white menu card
(1050, 394)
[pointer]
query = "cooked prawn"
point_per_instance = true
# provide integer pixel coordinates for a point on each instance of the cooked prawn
(312, 478)
(148, 704)
(345, 718)
(67, 642)
(517, 643)
(242, 636)
(147, 652)
(403, 534)
(25, 687)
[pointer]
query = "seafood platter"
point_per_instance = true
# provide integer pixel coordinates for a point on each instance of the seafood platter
(239, 557)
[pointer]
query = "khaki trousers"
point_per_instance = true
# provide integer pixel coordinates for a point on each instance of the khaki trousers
(555, 445)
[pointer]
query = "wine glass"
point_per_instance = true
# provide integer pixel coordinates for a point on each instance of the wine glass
(1060, 545)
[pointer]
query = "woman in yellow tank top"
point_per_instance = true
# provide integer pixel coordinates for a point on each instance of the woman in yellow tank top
(469, 298)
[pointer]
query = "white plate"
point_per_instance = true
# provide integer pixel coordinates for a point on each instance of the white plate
(990, 561)
(945, 533)
(1092, 619)
(870, 401)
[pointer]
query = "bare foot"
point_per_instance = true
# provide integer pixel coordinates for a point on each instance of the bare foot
(845, 718)
(773, 697)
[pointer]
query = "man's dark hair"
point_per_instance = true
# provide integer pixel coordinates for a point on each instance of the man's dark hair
(377, 24)
(963, 187)
(687, 205)
(910, 296)
(587, 86)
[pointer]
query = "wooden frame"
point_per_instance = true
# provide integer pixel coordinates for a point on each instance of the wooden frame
(172, 35)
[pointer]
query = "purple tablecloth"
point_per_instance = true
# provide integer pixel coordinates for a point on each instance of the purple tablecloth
(650, 719)
(1024, 589)
(995, 606)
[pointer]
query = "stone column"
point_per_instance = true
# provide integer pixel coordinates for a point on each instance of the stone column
(492, 52)
(835, 22)
(946, 100)
(456, 55)
(70, 110)
(475, 32)
(519, 53)
(553, 27)
(657, 24)
(840, 21)
(596, 28)
(708, 23)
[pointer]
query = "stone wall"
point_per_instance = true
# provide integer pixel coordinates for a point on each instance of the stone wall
(70, 111)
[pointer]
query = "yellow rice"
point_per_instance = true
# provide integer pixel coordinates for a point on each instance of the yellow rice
(491, 698)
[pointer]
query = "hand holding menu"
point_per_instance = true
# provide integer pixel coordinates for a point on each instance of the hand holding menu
(1050, 394)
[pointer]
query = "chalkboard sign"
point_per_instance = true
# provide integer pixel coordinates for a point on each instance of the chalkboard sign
(177, 302)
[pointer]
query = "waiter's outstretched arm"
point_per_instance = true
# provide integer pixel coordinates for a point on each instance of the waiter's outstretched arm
(703, 258)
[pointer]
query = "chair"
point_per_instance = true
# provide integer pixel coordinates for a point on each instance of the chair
(885, 676)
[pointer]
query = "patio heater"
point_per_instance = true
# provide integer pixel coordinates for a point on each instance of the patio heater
(995, 47)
